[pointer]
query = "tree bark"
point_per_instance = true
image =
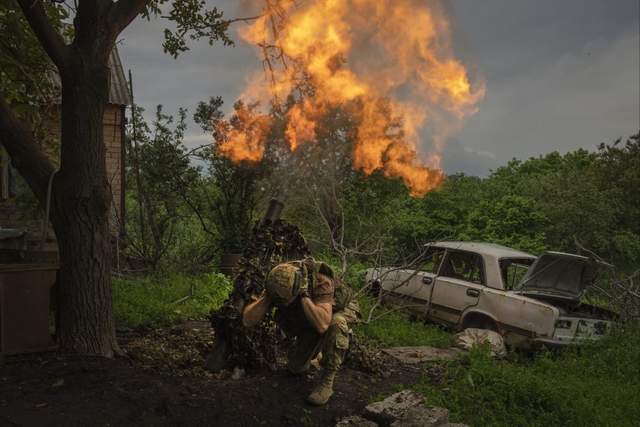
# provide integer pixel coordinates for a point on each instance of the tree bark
(81, 198)
(82, 201)
(26, 155)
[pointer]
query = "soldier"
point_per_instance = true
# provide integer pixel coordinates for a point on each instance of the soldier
(314, 307)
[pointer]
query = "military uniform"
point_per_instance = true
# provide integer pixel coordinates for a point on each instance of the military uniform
(333, 343)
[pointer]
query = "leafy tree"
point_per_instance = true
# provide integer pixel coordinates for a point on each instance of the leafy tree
(513, 221)
(162, 177)
(441, 215)
(24, 66)
(230, 193)
(585, 196)
(618, 173)
(81, 195)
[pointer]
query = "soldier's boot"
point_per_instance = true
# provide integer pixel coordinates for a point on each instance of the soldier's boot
(323, 391)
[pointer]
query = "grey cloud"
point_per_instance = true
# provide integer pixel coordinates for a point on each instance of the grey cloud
(579, 100)
(460, 158)
(505, 37)
(194, 76)
(560, 74)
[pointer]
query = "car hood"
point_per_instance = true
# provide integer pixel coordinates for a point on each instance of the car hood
(559, 275)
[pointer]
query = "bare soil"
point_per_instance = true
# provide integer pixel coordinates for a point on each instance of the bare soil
(144, 389)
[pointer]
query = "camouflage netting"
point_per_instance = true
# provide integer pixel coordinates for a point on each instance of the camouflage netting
(271, 243)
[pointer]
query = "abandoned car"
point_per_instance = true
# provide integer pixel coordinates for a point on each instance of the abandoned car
(529, 300)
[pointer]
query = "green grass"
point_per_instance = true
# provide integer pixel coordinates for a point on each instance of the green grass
(150, 301)
(596, 384)
(393, 328)
(591, 384)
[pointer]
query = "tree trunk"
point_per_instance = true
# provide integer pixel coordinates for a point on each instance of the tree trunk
(80, 215)
(81, 196)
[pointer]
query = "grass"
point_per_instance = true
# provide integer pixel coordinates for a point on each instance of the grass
(596, 384)
(150, 301)
(393, 328)
(593, 384)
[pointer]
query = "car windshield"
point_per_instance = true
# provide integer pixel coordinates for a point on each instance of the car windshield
(513, 270)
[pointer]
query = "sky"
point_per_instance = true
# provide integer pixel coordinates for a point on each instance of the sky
(560, 75)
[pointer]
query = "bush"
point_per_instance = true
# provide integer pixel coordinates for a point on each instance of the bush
(595, 384)
(151, 301)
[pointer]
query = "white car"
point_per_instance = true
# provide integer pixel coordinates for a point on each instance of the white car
(529, 300)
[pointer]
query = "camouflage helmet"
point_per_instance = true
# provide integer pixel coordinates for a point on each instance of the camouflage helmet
(283, 284)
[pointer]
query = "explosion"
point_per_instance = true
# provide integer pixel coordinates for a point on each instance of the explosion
(391, 59)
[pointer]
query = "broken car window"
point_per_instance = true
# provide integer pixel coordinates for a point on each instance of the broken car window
(513, 270)
(432, 260)
(464, 266)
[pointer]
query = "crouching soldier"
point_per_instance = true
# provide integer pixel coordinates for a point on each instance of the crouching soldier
(317, 309)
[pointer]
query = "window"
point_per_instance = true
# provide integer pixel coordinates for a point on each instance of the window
(464, 266)
(513, 270)
(7, 183)
(432, 260)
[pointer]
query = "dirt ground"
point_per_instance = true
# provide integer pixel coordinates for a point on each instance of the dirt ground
(54, 389)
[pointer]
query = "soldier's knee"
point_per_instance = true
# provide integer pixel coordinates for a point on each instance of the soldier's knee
(338, 333)
(338, 325)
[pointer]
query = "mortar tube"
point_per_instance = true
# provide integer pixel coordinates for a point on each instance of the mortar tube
(274, 210)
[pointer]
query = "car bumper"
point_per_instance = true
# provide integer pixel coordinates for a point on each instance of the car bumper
(564, 342)
(554, 343)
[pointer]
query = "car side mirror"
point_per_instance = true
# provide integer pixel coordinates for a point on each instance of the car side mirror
(427, 280)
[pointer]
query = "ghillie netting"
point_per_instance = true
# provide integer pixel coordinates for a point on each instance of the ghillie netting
(273, 241)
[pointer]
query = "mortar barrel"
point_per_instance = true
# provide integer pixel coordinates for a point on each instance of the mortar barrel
(273, 211)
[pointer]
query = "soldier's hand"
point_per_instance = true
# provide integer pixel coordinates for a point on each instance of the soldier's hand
(304, 289)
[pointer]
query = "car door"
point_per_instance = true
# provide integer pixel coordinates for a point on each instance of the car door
(423, 278)
(412, 287)
(458, 285)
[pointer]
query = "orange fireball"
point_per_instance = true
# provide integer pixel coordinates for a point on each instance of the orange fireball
(393, 58)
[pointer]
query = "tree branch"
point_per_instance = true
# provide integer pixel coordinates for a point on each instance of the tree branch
(123, 12)
(246, 19)
(51, 41)
(26, 156)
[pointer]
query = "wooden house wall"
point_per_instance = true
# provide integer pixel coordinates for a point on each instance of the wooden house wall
(13, 215)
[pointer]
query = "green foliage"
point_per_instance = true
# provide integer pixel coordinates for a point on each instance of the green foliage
(595, 384)
(390, 328)
(229, 192)
(441, 215)
(24, 66)
(151, 301)
(161, 182)
(512, 220)
(543, 203)
(192, 20)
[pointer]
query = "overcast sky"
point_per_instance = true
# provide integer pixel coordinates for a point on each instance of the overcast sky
(560, 75)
